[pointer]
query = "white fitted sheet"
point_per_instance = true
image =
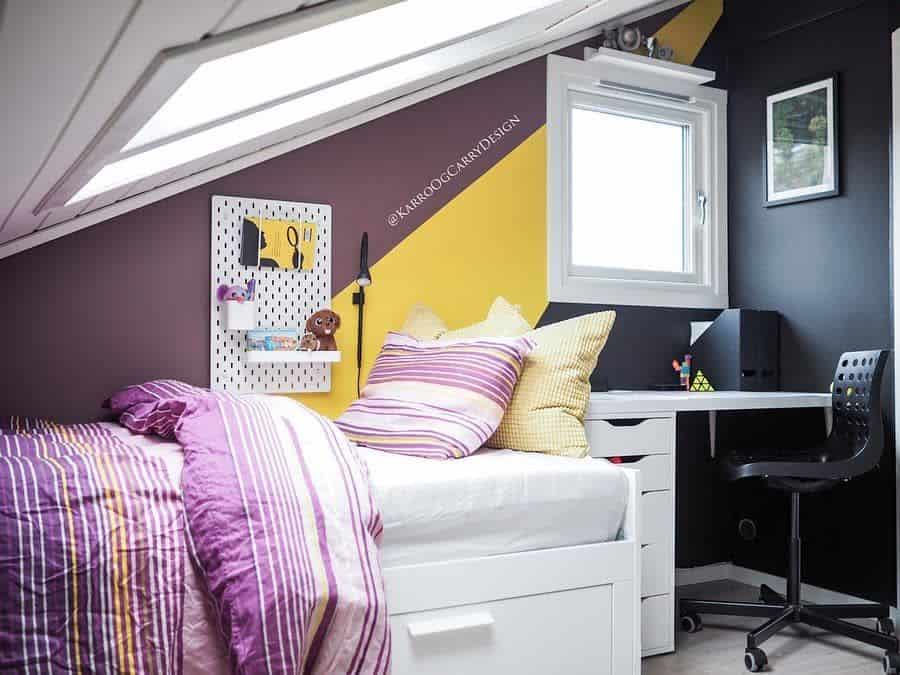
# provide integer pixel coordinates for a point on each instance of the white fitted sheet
(494, 502)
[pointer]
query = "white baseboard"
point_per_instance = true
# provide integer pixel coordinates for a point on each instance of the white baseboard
(744, 575)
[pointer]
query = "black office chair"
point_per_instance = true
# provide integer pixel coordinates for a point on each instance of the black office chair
(853, 447)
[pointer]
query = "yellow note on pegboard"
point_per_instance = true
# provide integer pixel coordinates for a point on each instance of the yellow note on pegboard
(282, 244)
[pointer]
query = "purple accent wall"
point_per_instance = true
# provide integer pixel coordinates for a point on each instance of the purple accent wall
(128, 299)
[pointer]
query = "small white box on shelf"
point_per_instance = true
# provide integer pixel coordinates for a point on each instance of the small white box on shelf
(240, 315)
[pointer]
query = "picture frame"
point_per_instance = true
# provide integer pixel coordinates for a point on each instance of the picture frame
(802, 142)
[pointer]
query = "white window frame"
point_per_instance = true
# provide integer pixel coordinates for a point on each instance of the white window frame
(636, 86)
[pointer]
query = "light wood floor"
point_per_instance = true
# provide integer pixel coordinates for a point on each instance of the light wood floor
(718, 649)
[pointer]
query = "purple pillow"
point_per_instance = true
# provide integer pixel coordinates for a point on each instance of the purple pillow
(153, 407)
(436, 399)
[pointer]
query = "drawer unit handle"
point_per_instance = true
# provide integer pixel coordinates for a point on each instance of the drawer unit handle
(626, 421)
(631, 459)
(451, 624)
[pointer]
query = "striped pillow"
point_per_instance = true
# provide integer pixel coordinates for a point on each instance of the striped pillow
(152, 407)
(435, 399)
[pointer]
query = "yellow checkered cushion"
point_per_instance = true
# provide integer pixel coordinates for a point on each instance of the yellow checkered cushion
(503, 320)
(546, 413)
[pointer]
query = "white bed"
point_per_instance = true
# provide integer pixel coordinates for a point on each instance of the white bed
(500, 563)
(510, 562)
(494, 502)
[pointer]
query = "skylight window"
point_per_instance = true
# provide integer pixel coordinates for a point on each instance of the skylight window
(227, 105)
(244, 80)
(242, 129)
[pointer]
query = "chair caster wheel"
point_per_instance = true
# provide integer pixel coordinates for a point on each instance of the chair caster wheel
(891, 663)
(691, 623)
(755, 660)
(884, 626)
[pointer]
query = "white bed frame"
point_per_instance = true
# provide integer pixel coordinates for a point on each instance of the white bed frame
(573, 610)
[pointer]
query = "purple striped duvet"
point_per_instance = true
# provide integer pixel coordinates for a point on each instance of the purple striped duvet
(285, 529)
(275, 511)
(91, 554)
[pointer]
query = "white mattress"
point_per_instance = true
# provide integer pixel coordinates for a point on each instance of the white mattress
(494, 502)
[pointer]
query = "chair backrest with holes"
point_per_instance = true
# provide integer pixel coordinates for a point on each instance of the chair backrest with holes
(857, 430)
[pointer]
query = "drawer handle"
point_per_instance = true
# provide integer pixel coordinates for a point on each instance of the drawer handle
(626, 421)
(631, 459)
(451, 624)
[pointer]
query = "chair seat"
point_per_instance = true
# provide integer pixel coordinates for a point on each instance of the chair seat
(816, 455)
(806, 470)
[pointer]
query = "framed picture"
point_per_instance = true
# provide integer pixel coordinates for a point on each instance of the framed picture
(802, 143)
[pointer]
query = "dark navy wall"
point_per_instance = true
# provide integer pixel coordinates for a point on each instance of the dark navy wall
(824, 264)
(641, 347)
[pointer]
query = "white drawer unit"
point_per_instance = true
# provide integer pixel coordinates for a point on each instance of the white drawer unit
(656, 516)
(658, 624)
(656, 570)
(613, 437)
(490, 637)
(656, 470)
(646, 442)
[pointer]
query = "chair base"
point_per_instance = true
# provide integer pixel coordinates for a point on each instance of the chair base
(780, 613)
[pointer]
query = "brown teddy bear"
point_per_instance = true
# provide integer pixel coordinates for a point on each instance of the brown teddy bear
(323, 325)
(308, 343)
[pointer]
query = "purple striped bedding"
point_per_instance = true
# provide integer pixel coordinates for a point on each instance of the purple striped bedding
(274, 513)
(435, 399)
(93, 556)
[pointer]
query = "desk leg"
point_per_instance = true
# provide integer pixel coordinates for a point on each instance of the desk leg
(712, 433)
(828, 420)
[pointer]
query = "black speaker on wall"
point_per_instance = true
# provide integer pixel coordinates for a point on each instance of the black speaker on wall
(740, 351)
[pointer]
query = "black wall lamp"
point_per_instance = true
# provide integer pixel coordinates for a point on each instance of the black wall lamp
(359, 299)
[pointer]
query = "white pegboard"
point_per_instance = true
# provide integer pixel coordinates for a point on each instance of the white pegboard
(285, 298)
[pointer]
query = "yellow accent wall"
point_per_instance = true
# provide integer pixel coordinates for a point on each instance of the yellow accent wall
(489, 240)
(688, 31)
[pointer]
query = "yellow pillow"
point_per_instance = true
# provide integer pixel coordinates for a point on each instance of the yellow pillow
(503, 320)
(546, 413)
(423, 324)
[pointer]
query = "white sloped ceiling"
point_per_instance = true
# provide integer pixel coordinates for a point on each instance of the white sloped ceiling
(68, 68)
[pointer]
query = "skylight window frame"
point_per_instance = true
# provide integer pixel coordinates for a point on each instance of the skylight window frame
(174, 66)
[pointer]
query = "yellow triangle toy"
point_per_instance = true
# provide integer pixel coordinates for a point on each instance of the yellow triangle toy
(700, 383)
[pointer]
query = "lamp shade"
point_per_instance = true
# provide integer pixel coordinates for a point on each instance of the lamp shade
(364, 278)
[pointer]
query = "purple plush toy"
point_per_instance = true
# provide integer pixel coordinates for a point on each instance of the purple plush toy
(232, 293)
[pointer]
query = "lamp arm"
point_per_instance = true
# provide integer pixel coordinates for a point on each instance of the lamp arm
(359, 299)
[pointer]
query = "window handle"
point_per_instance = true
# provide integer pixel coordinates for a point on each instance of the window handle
(701, 202)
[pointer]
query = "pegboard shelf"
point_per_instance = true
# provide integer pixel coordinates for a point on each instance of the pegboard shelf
(285, 297)
(259, 356)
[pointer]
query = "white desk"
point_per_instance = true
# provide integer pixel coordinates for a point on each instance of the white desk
(639, 428)
(692, 401)
(623, 402)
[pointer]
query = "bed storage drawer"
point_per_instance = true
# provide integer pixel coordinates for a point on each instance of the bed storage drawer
(656, 517)
(509, 636)
(657, 624)
(616, 437)
(656, 569)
